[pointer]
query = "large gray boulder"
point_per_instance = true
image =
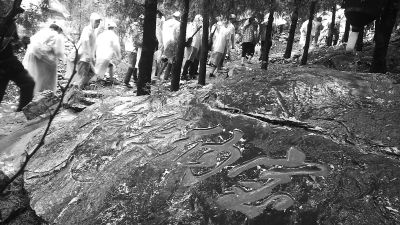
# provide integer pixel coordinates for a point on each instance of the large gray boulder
(308, 146)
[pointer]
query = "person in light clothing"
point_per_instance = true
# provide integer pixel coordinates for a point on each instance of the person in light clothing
(222, 36)
(315, 31)
(132, 55)
(158, 53)
(170, 36)
(86, 52)
(107, 47)
(138, 40)
(232, 31)
(46, 47)
(192, 50)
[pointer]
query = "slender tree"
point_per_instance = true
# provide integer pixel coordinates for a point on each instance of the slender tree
(383, 31)
(204, 43)
(332, 27)
(176, 72)
(308, 37)
(268, 38)
(293, 25)
(148, 48)
(346, 32)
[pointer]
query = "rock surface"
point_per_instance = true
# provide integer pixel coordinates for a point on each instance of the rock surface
(305, 146)
(44, 103)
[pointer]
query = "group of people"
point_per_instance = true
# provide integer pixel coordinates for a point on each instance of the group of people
(316, 29)
(38, 70)
(222, 36)
(99, 46)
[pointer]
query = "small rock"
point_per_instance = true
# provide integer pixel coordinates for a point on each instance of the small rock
(45, 102)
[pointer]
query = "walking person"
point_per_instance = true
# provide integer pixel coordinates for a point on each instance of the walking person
(138, 40)
(107, 47)
(159, 51)
(232, 34)
(11, 69)
(132, 55)
(170, 36)
(46, 47)
(222, 36)
(248, 40)
(192, 51)
(317, 28)
(86, 52)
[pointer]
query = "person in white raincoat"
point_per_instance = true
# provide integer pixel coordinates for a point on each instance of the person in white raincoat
(192, 50)
(107, 47)
(158, 53)
(170, 35)
(222, 36)
(315, 31)
(41, 57)
(86, 52)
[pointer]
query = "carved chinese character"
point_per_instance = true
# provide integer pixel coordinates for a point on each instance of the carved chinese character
(245, 198)
(209, 153)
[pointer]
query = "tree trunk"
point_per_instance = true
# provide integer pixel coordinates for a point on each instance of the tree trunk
(360, 40)
(176, 72)
(204, 44)
(346, 32)
(268, 38)
(149, 45)
(332, 27)
(293, 25)
(382, 38)
(308, 37)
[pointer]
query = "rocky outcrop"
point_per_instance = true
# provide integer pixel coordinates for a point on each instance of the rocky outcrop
(304, 146)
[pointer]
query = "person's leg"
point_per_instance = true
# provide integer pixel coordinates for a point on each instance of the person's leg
(193, 68)
(132, 62)
(251, 50)
(84, 74)
(163, 65)
(111, 72)
(138, 56)
(262, 50)
(185, 70)
(154, 66)
(221, 63)
(23, 80)
(168, 70)
(243, 52)
(216, 60)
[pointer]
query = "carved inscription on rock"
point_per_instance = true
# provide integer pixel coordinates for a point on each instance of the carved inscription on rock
(249, 197)
(246, 196)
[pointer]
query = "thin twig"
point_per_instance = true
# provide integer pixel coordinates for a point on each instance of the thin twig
(52, 116)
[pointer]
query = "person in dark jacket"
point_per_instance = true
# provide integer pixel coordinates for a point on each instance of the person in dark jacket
(11, 69)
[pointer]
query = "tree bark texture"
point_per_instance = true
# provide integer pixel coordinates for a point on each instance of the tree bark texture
(149, 45)
(176, 72)
(346, 32)
(204, 43)
(332, 27)
(385, 22)
(293, 25)
(308, 37)
(360, 40)
(268, 38)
